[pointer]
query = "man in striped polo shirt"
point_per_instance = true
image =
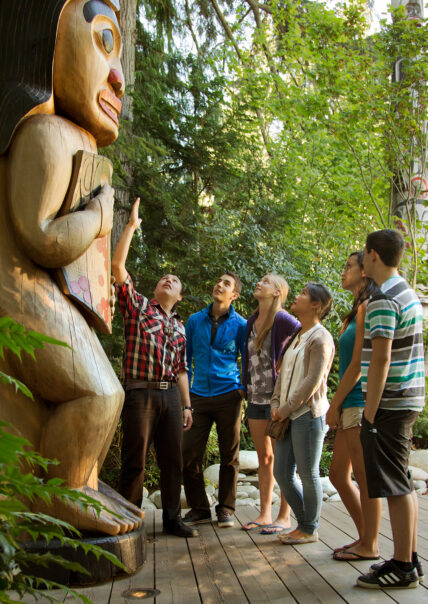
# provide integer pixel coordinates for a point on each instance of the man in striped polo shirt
(392, 378)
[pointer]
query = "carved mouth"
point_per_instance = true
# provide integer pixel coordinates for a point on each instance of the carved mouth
(110, 104)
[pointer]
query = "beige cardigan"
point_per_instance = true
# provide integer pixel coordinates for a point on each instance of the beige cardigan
(317, 360)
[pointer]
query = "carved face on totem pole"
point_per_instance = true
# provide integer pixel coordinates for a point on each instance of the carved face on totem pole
(64, 59)
(414, 8)
(87, 75)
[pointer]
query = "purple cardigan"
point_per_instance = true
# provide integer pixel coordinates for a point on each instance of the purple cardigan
(284, 326)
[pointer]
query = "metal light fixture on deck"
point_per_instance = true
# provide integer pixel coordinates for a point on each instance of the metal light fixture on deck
(140, 593)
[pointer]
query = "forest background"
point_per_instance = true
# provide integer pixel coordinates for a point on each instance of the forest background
(264, 137)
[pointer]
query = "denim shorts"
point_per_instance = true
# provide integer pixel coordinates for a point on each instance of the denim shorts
(258, 411)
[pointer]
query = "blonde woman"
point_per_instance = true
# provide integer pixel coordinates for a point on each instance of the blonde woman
(268, 330)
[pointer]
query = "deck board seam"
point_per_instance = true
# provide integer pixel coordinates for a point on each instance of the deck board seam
(269, 563)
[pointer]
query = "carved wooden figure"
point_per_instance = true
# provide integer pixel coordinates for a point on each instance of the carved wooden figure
(60, 88)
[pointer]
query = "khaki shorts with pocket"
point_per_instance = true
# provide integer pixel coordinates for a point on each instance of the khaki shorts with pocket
(351, 417)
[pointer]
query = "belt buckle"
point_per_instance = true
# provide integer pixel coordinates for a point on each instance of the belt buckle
(163, 385)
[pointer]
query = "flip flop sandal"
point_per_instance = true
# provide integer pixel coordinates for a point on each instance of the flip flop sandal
(343, 548)
(353, 556)
(253, 526)
(274, 529)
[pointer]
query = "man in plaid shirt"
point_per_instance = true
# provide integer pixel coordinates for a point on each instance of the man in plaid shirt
(154, 372)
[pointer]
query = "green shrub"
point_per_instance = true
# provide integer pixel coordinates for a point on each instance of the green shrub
(16, 519)
(325, 462)
(420, 430)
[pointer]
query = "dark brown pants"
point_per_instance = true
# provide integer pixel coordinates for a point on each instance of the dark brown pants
(225, 411)
(152, 416)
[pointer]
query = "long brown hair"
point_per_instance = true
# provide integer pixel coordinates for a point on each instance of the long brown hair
(277, 303)
(368, 288)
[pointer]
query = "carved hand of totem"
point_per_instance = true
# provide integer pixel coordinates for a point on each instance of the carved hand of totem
(103, 203)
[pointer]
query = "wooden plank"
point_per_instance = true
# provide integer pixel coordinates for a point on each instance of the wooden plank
(258, 580)
(333, 513)
(302, 580)
(385, 528)
(145, 576)
(98, 594)
(27, 599)
(423, 502)
(230, 565)
(336, 517)
(174, 572)
(215, 576)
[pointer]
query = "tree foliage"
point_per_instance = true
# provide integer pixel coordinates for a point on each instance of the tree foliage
(265, 137)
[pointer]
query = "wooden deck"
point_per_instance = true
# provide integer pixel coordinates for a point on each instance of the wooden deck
(232, 566)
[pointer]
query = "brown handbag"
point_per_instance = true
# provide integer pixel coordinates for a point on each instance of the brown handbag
(277, 429)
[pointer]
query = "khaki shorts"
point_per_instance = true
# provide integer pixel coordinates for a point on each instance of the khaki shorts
(351, 417)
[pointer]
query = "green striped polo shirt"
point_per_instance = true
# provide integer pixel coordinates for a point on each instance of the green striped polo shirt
(396, 314)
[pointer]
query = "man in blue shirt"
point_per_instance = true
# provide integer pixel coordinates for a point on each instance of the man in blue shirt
(215, 337)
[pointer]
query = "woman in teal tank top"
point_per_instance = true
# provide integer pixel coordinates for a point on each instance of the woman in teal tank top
(345, 414)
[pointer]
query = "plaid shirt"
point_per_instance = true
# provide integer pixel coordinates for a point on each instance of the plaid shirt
(155, 344)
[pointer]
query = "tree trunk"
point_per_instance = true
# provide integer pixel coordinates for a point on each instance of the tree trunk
(410, 188)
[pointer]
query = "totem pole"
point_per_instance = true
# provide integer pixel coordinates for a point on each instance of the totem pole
(410, 191)
(60, 87)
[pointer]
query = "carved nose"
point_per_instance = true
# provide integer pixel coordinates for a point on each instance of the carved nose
(115, 78)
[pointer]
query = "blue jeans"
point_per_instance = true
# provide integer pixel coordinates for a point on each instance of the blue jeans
(301, 449)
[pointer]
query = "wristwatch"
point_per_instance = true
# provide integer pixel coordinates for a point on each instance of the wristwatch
(188, 408)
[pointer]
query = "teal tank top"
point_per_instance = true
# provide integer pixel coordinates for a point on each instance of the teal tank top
(346, 348)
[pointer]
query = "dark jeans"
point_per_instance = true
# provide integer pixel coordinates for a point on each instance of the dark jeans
(152, 415)
(225, 411)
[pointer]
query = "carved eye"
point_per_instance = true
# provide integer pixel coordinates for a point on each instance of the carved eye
(108, 40)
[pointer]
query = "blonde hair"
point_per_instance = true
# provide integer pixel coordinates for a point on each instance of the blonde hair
(280, 284)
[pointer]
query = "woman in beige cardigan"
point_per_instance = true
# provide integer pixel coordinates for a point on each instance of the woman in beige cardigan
(301, 396)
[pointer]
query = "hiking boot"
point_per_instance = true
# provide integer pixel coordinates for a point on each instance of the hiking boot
(224, 519)
(418, 567)
(389, 575)
(197, 517)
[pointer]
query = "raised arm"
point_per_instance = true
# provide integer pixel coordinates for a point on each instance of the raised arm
(121, 252)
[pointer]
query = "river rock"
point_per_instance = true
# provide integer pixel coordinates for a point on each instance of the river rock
(418, 473)
(247, 501)
(148, 505)
(211, 474)
(327, 487)
(248, 461)
(210, 489)
(250, 478)
(155, 498)
(419, 458)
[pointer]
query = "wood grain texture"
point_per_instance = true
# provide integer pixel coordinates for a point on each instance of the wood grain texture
(230, 565)
(77, 396)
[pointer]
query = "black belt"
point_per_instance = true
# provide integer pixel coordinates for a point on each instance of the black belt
(137, 384)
